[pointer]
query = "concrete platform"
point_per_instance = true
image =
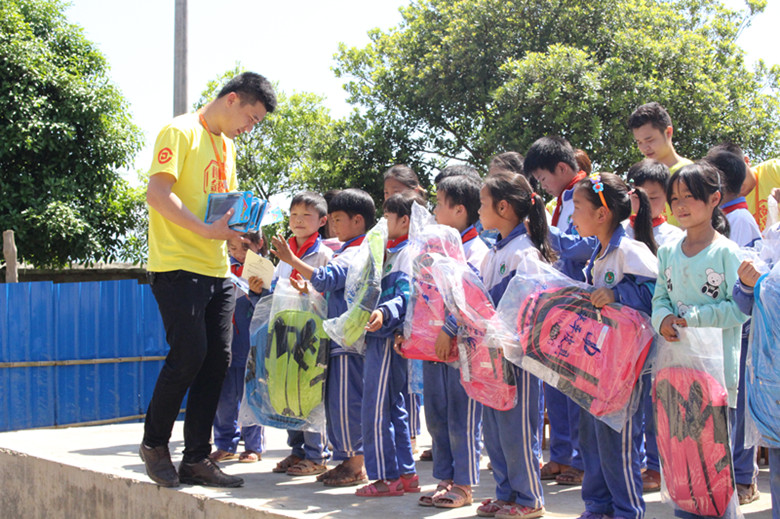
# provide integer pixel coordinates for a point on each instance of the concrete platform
(95, 473)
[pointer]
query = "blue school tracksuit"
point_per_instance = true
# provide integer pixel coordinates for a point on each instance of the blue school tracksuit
(226, 430)
(574, 252)
(307, 444)
(344, 385)
(512, 437)
(387, 444)
(454, 420)
(744, 232)
(612, 484)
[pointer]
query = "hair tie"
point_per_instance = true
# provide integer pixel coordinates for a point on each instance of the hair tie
(598, 188)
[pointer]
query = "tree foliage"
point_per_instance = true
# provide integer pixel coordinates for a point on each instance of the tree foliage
(64, 132)
(466, 79)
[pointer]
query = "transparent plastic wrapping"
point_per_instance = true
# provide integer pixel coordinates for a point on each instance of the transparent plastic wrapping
(361, 291)
(762, 371)
(772, 213)
(426, 312)
(690, 405)
(288, 360)
(485, 374)
(594, 356)
(416, 377)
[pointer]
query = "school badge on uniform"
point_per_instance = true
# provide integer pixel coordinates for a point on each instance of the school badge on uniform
(609, 277)
(502, 269)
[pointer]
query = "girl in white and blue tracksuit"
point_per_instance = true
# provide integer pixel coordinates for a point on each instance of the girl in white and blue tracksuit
(512, 437)
(623, 271)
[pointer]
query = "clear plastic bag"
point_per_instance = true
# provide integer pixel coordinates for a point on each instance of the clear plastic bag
(762, 371)
(362, 290)
(690, 404)
(486, 376)
(288, 359)
(547, 325)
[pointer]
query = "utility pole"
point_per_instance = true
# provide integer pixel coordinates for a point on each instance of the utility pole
(180, 59)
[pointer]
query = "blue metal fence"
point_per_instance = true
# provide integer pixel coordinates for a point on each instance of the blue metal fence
(77, 353)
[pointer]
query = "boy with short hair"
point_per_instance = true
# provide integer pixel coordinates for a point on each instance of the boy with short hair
(743, 230)
(653, 177)
(351, 214)
(308, 213)
(454, 420)
(386, 437)
(552, 161)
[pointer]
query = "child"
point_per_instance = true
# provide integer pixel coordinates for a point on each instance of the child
(653, 177)
(351, 213)
(226, 430)
(453, 419)
(623, 271)
(386, 440)
(743, 295)
(743, 230)
(308, 212)
(696, 275)
(512, 437)
(400, 179)
(552, 161)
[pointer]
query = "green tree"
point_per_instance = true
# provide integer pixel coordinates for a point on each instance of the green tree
(64, 132)
(471, 78)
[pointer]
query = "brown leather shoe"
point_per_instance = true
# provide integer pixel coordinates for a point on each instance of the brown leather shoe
(159, 467)
(205, 472)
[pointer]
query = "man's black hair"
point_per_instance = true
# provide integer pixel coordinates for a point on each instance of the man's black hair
(652, 113)
(649, 170)
(547, 152)
(732, 168)
(251, 88)
(462, 190)
(458, 170)
(400, 204)
(311, 200)
(353, 202)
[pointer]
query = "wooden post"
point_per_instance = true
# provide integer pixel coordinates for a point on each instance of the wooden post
(9, 252)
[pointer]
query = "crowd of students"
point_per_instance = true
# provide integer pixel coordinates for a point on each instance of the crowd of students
(664, 241)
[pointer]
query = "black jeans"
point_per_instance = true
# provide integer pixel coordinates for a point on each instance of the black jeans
(197, 314)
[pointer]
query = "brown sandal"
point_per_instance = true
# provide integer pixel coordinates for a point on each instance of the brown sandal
(343, 477)
(286, 463)
(552, 469)
(570, 477)
(306, 468)
(457, 497)
(441, 489)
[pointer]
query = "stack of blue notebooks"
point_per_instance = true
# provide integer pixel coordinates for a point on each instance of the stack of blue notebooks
(249, 210)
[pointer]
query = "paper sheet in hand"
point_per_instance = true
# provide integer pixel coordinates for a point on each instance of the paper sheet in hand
(256, 265)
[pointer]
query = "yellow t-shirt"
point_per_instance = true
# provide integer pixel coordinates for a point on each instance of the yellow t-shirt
(183, 149)
(668, 211)
(767, 178)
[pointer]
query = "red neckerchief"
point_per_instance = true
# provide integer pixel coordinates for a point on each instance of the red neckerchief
(731, 208)
(469, 235)
(394, 243)
(354, 243)
(299, 252)
(656, 221)
(559, 206)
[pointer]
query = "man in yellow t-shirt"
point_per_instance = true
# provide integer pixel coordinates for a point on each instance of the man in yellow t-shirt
(652, 128)
(188, 266)
(759, 183)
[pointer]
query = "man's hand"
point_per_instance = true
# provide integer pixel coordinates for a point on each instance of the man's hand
(375, 321)
(668, 330)
(602, 296)
(748, 273)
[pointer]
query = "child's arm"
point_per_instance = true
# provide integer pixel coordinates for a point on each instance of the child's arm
(393, 309)
(329, 278)
(743, 289)
(282, 251)
(636, 292)
(662, 303)
(571, 246)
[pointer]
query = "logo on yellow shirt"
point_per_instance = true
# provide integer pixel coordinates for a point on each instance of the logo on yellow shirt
(212, 183)
(164, 156)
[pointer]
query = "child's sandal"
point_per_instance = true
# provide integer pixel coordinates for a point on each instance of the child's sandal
(410, 482)
(457, 497)
(392, 488)
(441, 489)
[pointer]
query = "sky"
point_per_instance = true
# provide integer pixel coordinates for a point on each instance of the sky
(291, 42)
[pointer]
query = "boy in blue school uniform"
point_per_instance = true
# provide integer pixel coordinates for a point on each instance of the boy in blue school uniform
(308, 212)
(744, 231)
(351, 213)
(552, 162)
(386, 437)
